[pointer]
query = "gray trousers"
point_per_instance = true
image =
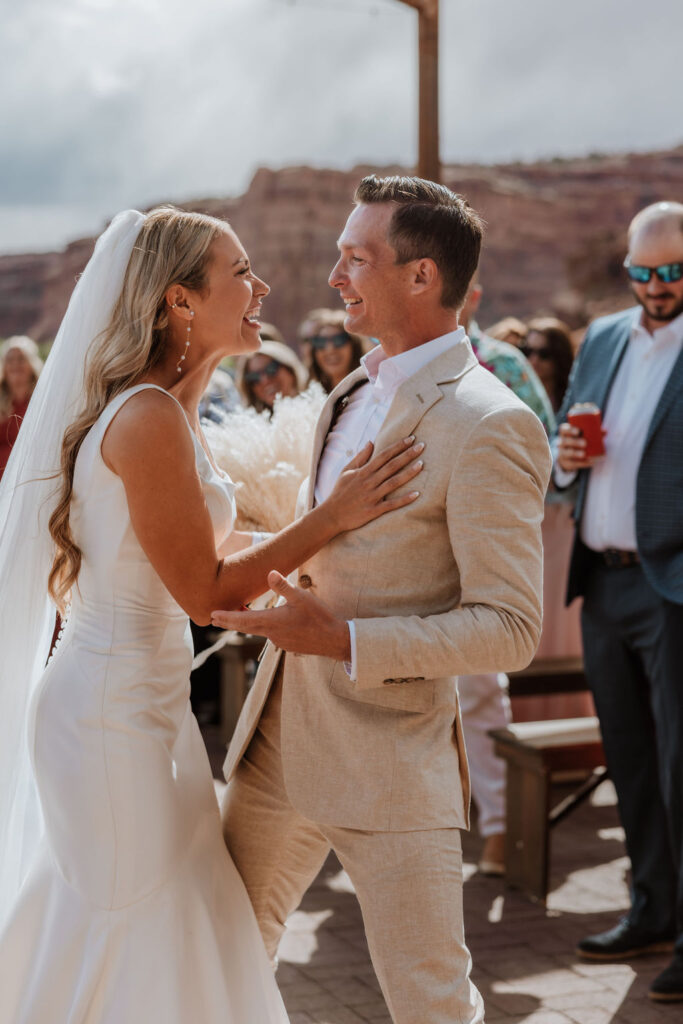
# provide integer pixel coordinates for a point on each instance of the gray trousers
(633, 652)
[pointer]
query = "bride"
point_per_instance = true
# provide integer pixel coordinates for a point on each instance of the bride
(119, 903)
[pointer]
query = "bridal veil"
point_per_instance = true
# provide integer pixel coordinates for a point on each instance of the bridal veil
(27, 497)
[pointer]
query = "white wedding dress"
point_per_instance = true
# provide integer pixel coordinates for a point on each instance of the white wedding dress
(133, 912)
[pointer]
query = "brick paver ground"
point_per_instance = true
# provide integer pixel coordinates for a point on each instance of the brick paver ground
(524, 963)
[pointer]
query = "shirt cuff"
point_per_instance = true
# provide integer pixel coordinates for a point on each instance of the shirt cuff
(562, 478)
(351, 666)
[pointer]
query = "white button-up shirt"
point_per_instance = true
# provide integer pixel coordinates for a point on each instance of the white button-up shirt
(362, 419)
(365, 413)
(609, 513)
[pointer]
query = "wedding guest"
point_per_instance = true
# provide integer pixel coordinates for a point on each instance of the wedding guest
(274, 370)
(220, 398)
(506, 362)
(269, 332)
(20, 366)
(331, 351)
(509, 329)
(548, 347)
(628, 565)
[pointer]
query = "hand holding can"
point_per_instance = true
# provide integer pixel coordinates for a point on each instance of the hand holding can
(586, 417)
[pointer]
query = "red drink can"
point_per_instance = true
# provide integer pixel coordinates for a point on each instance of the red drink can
(586, 416)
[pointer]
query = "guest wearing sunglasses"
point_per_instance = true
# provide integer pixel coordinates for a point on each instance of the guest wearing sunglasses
(332, 353)
(628, 565)
(548, 347)
(274, 370)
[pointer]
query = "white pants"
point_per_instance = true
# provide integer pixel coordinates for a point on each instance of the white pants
(409, 884)
(484, 705)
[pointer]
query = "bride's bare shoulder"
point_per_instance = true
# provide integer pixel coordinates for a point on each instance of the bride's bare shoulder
(148, 424)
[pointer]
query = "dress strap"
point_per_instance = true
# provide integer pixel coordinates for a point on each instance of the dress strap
(108, 413)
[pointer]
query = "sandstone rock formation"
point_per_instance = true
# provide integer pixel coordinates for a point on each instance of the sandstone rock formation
(555, 238)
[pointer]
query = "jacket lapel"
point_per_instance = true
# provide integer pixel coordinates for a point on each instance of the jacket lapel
(412, 400)
(323, 425)
(620, 342)
(421, 391)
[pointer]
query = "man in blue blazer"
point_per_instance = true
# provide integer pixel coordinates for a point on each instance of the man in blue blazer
(628, 565)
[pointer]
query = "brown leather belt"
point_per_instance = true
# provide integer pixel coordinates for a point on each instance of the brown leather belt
(614, 558)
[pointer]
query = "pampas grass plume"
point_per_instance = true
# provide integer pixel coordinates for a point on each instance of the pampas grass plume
(267, 457)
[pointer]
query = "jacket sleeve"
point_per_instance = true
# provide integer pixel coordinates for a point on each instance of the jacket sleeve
(494, 510)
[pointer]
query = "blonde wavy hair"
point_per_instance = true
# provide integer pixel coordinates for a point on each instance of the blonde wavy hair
(29, 350)
(171, 248)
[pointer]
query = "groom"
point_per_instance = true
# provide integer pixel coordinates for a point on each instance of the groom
(352, 739)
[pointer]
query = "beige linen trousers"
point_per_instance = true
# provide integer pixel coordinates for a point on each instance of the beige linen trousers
(377, 768)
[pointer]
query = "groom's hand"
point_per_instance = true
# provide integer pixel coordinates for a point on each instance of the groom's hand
(304, 625)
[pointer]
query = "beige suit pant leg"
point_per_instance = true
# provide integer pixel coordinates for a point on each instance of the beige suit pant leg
(409, 885)
(276, 850)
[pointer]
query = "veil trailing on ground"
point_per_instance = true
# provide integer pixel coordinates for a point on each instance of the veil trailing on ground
(27, 498)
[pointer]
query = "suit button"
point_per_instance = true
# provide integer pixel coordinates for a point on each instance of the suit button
(305, 581)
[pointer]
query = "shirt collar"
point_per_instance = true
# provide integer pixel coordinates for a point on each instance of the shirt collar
(387, 373)
(666, 334)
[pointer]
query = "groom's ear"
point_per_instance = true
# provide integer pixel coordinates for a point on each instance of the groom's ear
(425, 276)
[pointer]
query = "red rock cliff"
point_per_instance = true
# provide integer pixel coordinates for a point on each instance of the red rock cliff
(555, 238)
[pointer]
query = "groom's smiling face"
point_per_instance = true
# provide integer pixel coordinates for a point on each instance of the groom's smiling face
(372, 285)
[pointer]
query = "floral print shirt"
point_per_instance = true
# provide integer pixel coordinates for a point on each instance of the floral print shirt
(512, 368)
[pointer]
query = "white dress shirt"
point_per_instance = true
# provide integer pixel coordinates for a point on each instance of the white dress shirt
(609, 514)
(363, 416)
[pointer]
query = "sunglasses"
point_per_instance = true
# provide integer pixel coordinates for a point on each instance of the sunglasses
(667, 272)
(269, 370)
(540, 353)
(337, 340)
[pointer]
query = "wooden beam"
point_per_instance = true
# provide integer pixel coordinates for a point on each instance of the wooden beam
(429, 163)
(428, 7)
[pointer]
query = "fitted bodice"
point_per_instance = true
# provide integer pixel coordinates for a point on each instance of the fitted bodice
(118, 686)
(115, 571)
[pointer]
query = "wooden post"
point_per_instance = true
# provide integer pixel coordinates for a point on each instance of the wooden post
(429, 163)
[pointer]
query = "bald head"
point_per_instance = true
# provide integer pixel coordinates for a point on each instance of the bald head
(655, 244)
(658, 219)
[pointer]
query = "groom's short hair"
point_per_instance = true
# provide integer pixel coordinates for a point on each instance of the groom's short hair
(430, 221)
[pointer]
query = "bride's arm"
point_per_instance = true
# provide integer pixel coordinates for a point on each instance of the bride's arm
(149, 446)
(235, 542)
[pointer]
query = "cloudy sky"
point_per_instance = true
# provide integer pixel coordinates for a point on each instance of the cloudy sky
(113, 103)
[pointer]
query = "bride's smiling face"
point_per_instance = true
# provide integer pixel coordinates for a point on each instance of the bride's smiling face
(226, 312)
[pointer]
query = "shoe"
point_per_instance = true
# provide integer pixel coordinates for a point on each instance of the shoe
(668, 986)
(492, 860)
(623, 942)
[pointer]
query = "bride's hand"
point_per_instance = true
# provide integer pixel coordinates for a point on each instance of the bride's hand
(365, 488)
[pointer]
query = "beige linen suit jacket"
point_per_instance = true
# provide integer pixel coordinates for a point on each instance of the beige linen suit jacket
(449, 585)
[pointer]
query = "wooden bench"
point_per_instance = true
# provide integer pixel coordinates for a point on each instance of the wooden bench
(548, 675)
(533, 751)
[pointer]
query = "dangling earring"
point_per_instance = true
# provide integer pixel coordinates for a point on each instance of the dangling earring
(179, 364)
